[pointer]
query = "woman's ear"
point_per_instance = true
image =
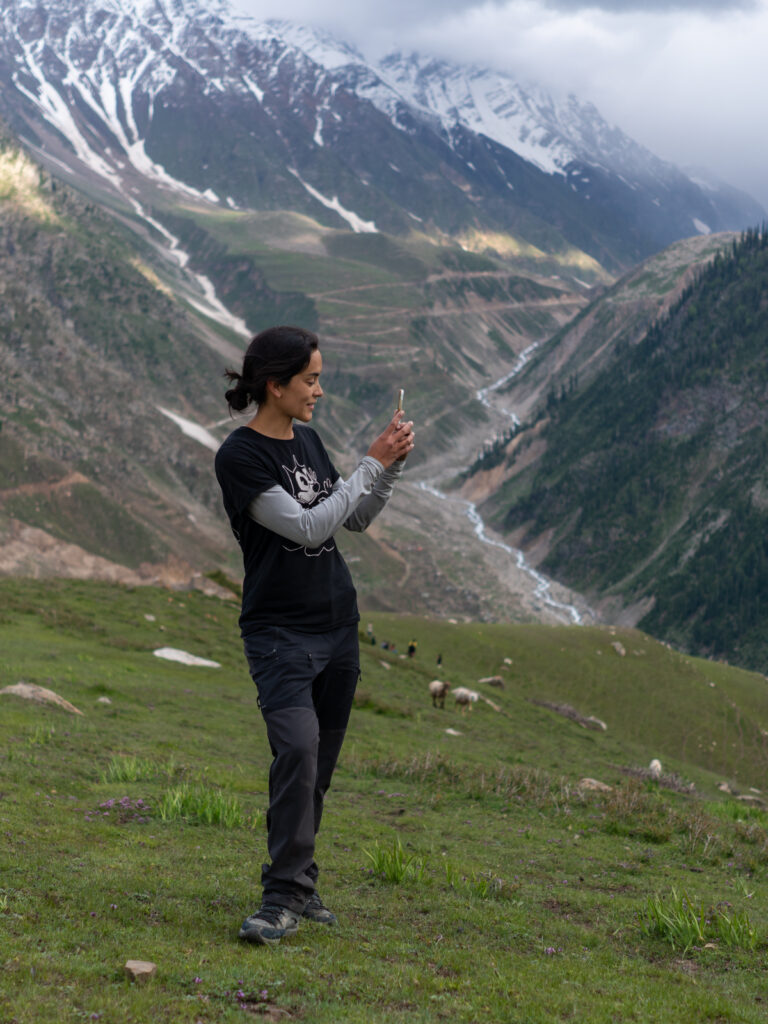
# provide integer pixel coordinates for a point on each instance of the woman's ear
(274, 389)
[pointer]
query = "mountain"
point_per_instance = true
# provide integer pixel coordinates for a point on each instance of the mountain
(94, 350)
(112, 356)
(432, 222)
(271, 115)
(648, 481)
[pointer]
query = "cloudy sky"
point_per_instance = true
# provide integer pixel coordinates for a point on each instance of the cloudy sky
(688, 79)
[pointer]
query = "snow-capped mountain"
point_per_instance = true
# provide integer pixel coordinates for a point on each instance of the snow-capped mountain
(188, 95)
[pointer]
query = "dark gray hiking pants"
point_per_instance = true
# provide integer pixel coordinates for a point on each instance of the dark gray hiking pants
(306, 685)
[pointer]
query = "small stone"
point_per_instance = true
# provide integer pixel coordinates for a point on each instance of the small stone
(386, 665)
(590, 722)
(493, 681)
(619, 648)
(103, 700)
(140, 970)
(751, 800)
(150, 618)
(595, 785)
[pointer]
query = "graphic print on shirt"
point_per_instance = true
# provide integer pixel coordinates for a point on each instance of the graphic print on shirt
(305, 487)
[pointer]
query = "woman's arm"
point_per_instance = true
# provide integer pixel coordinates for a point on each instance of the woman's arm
(370, 506)
(278, 511)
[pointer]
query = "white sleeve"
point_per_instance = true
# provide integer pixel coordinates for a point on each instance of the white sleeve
(280, 512)
(370, 506)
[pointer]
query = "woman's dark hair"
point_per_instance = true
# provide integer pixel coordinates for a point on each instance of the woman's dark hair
(278, 354)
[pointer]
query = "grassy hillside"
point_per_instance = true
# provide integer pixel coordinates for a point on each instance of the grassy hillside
(524, 897)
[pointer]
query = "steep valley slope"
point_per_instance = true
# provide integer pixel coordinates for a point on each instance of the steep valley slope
(646, 481)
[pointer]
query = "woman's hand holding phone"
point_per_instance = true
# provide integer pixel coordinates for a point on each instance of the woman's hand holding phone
(395, 443)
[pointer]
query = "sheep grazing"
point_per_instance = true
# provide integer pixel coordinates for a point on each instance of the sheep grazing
(465, 698)
(655, 768)
(438, 689)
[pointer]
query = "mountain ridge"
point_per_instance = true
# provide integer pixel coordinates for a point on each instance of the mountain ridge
(127, 85)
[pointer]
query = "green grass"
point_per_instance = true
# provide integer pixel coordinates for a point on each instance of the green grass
(682, 923)
(200, 805)
(126, 768)
(393, 864)
(515, 895)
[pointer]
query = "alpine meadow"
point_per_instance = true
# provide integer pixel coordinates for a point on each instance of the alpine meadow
(570, 823)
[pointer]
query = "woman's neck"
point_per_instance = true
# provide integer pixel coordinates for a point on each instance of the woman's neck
(272, 423)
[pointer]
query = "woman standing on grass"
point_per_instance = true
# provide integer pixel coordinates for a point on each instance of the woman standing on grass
(285, 501)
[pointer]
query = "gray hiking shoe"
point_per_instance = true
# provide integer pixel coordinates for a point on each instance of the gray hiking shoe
(317, 911)
(269, 924)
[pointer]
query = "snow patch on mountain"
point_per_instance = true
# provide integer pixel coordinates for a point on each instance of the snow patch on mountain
(358, 225)
(190, 429)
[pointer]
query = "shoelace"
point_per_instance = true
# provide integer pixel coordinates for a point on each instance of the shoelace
(270, 912)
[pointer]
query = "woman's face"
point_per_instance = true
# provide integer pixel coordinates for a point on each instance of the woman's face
(298, 397)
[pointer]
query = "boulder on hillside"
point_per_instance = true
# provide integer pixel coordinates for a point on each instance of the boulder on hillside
(40, 695)
(140, 970)
(184, 657)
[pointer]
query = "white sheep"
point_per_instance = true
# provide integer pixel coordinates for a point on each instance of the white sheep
(465, 698)
(438, 689)
(655, 768)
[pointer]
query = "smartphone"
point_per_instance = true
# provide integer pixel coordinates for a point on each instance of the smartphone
(400, 397)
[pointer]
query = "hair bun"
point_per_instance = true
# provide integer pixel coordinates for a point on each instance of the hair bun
(237, 397)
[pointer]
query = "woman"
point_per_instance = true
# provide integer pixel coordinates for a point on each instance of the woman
(285, 501)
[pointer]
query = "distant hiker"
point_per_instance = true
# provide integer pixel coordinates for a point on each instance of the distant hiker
(412, 648)
(285, 501)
